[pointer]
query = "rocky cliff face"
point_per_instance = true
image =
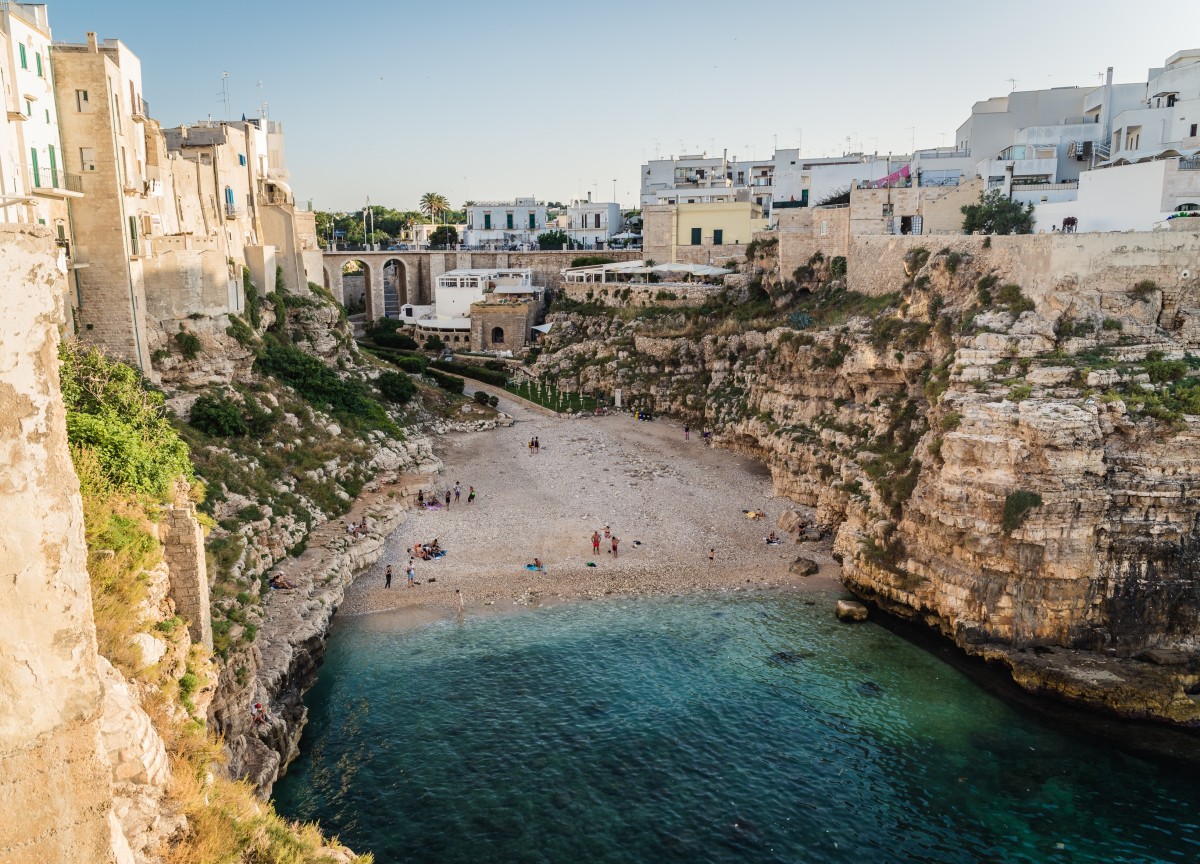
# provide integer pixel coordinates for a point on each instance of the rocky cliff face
(1014, 467)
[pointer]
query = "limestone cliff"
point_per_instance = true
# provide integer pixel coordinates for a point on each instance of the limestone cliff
(1011, 462)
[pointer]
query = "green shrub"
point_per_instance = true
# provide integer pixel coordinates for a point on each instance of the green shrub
(1111, 324)
(467, 370)
(253, 305)
(280, 306)
(386, 332)
(951, 421)
(411, 364)
(1142, 290)
(449, 383)
(1020, 392)
(590, 260)
(396, 387)
(113, 412)
(1016, 508)
(240, 330)
(189, 344)
(481, 396)
(218, 417)
(434, 343)
(953, 259)
(315, 381)
(493, 401)
(1015, 299)
(837, 266)
(280, 285)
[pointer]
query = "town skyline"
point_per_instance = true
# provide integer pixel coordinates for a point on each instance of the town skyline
(557, 132)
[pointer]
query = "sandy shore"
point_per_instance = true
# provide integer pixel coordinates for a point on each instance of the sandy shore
(669, 502)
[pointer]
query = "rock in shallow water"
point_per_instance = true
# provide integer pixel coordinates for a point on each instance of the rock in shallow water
(851, 610)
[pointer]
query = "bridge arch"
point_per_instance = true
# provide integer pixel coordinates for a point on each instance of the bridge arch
(395, 287)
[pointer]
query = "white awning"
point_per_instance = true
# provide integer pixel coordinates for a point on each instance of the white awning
(543, 328)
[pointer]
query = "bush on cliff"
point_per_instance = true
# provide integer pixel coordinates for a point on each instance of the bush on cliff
(994, 213)
(113, 412)
(1017, 506)
(385, 332)
(396, 387)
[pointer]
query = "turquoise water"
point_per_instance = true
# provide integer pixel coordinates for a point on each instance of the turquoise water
(705, 729)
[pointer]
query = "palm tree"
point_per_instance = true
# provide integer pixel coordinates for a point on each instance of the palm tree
(433, 204)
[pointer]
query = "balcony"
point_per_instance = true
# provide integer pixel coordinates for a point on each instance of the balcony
(55, 183)
(232, 211)
(140, 109)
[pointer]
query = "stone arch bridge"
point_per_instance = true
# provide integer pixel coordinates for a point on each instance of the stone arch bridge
(415, 272)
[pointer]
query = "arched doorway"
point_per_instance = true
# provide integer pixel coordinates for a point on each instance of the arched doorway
(497, 335)
(395, 287)
(356, 286)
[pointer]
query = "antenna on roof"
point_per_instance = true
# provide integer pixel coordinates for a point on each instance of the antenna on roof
(1012, 82)
(225, 92)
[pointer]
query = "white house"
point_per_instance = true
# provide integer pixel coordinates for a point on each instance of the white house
(454, 292)
(1167, 115)
(504, 224)
(593, 223)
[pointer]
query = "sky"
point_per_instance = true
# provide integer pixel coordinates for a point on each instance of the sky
(491, 101)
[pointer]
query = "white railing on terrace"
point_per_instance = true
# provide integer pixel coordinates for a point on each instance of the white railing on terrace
(942, 154)
(1042, 187)
(30, 13)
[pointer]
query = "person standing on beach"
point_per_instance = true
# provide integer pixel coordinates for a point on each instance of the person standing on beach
(711, 554)
(687, 432)
(458, 597)
(387, 577)
(457, 490)
(471, 495)
(595, 542)
(412, 573)
(537, 445)
(616, 540)
(530, 446)
(447, 499)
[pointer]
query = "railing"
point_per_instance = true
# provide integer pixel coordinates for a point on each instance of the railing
(1043, 187)
(55, 178)
(232, 211)
(942, 154)
(30, 13)
(940, 181)
(140, 107)
(1190, 164)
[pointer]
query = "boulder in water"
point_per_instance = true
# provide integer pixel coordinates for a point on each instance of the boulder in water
(851, 610)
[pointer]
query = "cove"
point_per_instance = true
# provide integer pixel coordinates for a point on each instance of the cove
(722, 728)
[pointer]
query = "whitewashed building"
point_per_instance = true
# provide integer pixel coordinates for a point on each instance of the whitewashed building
(449, 317)
(592, 223)
(505, 224)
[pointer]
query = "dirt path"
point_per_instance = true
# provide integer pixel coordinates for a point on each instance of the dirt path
(669, 502)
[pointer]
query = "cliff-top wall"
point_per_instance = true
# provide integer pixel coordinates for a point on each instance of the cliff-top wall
(54, 786)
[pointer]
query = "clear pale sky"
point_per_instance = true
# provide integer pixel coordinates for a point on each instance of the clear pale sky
(487, 100)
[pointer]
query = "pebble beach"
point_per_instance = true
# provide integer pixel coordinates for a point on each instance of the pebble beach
(669, 501)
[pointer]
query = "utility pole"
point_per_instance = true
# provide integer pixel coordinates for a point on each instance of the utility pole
(225, 92)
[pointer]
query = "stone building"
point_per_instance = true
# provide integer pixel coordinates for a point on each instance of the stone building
(103, 131)
(504, 319)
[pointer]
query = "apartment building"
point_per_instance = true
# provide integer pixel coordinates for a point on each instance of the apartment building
(505, 224)
(592, 224)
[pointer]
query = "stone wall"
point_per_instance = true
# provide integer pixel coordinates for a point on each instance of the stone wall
(54, 781)
(1041, 263)
(612, 293)
(183, 548)
(516, 320)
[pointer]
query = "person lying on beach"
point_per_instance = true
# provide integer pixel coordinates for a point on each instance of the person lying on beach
(773, 539)
(281, 583)
(536, 565)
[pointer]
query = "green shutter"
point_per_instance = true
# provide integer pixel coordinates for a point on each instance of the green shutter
(53, 168)
(37, 175)
(24, 62)
(38, 58)
(508, 220)
(133, 235)
(532, 221)
(718, 236)
(695, 236)
(487, 221)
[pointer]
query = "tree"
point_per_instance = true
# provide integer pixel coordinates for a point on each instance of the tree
(556, 239)
(443, 236)
(433, 204)
(996, 214)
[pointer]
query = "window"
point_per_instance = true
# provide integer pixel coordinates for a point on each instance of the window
(597, 221)
(1193, 132)
(38, 58)
(497, 335)
(241, 158)
(87, 159)
(28, 108)
(695, 236)
(81, 101)
(508, 220)
(487, 221)
(47, 115)
(718, 236)
(533, 221)
(133, 235)
(24, 61)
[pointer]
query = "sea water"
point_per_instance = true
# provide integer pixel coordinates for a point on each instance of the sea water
(727, 728)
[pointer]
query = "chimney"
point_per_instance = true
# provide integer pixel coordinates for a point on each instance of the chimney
(589, 197)
(93, 43)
